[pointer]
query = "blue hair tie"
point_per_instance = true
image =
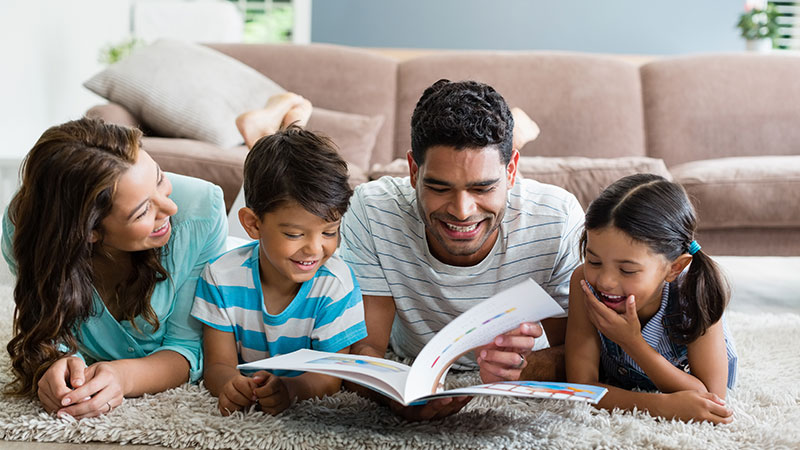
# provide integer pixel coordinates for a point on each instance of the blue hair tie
(694, 247)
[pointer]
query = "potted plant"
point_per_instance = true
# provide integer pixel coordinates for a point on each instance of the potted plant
(758, 24)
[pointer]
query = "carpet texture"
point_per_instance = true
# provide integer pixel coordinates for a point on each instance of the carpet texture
(766, 403)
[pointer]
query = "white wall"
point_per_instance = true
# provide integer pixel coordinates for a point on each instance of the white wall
(48, 48)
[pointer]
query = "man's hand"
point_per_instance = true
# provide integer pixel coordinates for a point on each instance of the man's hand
(432, 410)
(506, 356)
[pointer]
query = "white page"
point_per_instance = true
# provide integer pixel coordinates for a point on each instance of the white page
(383, 375)
(503, 312)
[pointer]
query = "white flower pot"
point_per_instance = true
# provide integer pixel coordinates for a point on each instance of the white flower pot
(759, 45)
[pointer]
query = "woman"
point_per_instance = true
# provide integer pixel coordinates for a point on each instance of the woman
(107, 250)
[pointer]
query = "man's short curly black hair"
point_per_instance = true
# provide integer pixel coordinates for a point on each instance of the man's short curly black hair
(461, 114)
(295, 165)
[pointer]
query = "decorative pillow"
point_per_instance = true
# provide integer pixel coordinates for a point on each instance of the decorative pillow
(353, 134)
(583, 177)
(185, 90)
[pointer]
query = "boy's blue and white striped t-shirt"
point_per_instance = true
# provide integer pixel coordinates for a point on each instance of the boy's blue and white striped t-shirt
(327, 313)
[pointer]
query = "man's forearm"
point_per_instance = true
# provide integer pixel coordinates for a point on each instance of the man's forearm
(546, 365)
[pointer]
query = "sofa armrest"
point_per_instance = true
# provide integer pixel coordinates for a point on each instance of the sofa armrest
(113, 113)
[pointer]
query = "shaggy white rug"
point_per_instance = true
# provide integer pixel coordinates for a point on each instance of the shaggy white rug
(766, 401)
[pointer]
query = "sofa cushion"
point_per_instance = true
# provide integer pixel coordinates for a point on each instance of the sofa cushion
(755, 192)
(185, 90)
(583, 177)
(353, 134)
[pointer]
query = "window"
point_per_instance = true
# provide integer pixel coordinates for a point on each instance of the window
(267, 20)
(789, 22)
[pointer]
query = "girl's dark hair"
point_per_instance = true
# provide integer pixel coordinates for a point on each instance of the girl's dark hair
(296, 165)
(67, 189)
(658, 213)
(462, 114)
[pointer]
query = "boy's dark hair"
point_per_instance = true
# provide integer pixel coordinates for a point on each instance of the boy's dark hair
(658, 213)
(463, 114)
(296, 165)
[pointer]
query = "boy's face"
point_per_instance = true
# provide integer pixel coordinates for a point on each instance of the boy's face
(294, 244)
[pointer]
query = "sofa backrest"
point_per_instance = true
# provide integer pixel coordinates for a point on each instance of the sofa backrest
(714, 106)
(335, 77)
(585, 105)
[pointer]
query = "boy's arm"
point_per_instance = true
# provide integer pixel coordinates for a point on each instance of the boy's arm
(221, 377)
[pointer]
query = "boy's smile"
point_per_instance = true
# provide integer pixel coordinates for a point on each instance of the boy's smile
(294, 244)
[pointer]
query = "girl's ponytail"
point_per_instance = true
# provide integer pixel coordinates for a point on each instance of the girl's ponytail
(704, 294)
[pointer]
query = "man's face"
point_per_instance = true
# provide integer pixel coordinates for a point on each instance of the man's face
(462, 197)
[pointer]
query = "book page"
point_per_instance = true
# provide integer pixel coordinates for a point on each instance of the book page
(536, 389)
(382, 375)
(503, 312)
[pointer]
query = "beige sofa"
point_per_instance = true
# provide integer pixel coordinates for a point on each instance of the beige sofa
(726, 126)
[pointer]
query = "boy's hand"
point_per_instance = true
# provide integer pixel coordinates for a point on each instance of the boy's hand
(433, 410)
(272, 393)
(237, 394)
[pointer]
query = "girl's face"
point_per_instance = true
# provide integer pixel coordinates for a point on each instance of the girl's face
(139, 218)
(617, 266)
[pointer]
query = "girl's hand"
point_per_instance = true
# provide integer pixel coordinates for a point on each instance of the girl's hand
(272, 394)
(53, 387)
(695, 405)
(624, 329)
(237, 394)
(102, 391)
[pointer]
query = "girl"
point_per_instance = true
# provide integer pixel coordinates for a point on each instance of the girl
(636, 320)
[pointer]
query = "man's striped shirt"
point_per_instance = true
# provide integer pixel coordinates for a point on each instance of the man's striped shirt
(384, 241)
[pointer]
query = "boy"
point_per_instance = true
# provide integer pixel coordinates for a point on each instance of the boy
(286, 290)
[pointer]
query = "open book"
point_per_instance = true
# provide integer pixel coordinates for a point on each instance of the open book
(422, 381)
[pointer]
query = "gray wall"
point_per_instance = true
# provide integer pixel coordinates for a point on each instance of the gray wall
(600, 26)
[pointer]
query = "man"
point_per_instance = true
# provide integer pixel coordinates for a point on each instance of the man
(459, 229)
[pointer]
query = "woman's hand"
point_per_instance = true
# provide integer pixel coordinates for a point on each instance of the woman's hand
(59, 380)
(624, 329)
(102, 390)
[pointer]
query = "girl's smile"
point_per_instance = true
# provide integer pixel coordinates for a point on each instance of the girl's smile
(618, 266)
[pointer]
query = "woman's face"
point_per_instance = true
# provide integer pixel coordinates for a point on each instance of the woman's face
(140, 211)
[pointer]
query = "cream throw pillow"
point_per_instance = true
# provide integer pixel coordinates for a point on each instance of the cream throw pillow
(185, 90)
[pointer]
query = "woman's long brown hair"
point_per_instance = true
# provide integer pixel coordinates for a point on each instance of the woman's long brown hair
(68, 183)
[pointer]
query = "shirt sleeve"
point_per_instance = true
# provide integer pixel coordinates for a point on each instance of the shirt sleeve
(568, 254)
(340, 322)
(209, 305)
(7, 243)
(184, 333)
(358, 247)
